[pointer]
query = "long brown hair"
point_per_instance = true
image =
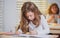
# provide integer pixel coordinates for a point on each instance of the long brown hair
(29, 6)
(49, 10)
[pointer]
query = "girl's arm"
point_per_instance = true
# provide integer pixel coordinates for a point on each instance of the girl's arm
(50, 18)
(58, 16)
(19, 31)
(45, 28)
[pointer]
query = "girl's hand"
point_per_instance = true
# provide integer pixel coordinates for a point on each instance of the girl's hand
(58, 16)
(52, 16)
(18, 32)
(33, 32)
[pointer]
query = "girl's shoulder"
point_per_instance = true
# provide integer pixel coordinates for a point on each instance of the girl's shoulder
(42, 16)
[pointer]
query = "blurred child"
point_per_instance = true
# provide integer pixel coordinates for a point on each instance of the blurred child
(53, 14)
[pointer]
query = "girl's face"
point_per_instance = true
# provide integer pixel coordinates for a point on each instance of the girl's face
(54, 9)
(30, 16)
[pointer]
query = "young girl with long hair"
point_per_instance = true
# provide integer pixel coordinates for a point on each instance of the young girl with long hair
(53, 14)
(32, 21)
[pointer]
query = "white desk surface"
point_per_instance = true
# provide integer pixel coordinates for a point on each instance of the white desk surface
(28, 36)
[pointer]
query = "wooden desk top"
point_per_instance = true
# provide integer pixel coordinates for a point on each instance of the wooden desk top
(57, 27)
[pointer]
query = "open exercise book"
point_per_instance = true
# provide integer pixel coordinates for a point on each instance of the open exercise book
(37, 36)
(26, 35)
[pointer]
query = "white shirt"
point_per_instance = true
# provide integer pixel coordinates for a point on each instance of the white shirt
(55, 19)
(43, 28)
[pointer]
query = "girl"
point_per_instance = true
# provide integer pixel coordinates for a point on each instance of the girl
(32, 20)
(53, 15)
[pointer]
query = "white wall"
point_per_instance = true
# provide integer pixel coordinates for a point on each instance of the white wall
(54, 1)
(10, 16)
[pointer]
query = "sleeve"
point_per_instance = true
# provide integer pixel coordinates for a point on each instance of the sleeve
(44, 24)
(47, 16)
(20, 31)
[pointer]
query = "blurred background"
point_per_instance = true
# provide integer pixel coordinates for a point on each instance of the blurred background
(10, 13)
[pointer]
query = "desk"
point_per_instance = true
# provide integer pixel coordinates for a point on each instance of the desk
(12, 36)
(55, 29)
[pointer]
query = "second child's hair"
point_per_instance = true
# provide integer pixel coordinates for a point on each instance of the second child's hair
(26, 8)
(49, 10)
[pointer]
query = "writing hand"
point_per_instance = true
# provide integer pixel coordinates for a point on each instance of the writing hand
(33, 32)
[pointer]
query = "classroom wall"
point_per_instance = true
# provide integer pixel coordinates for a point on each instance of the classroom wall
(10, 16)
(54, 1)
